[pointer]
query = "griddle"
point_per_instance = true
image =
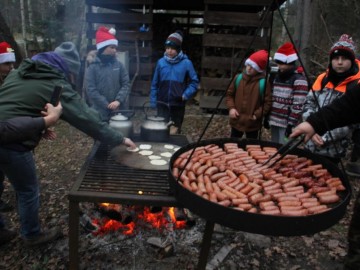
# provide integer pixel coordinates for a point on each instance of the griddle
(138, 161)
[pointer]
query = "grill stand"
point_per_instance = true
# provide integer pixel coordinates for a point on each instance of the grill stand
(205, 245)
(115, 183)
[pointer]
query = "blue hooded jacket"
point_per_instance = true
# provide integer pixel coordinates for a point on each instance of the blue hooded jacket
(173, 82)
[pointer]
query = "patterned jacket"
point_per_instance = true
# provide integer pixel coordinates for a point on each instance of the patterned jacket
(324, 94)
(288, 98)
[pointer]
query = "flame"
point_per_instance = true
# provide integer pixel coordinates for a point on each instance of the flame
(159, 221)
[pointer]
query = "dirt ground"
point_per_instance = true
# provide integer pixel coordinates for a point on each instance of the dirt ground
(58, 165)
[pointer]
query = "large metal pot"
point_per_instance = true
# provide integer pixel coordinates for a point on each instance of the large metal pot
(259, 223)
(154, 128)
(122, 123)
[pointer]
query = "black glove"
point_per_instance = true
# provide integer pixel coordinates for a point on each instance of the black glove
(288, 130)
(266, 122)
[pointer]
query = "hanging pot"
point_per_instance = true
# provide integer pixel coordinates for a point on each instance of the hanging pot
(122, 123)
(155, 128)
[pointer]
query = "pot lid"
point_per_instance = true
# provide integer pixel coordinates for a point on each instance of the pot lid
(156, 118)
(119, 117)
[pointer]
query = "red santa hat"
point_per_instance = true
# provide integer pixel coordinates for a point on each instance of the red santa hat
(258, 60)
(286, 53)
(105, 37)
(6, 53)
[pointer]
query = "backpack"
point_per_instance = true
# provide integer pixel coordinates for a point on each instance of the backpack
(261, 85)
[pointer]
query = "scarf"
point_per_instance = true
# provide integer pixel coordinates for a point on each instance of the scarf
(174, 60)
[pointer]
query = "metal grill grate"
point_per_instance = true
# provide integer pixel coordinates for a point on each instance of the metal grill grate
(103, 180)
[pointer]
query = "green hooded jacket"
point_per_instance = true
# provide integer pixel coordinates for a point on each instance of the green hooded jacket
(27, 89)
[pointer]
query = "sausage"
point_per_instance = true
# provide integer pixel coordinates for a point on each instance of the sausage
(287, 212)
(287, 198)
(268, 183)
(318, 209)
(177, 162)
(303, 195)
(225, 203)
(255, 198)
(212, 170)
(220, 195)
(239, 186)
(186, 185)
(217, 176)
(213, 197)
(289, 189)
(201, 169)
(289, 203)
(234, 183)
(252, 210)
(243, 178)
(201, 186)
(175, 172)
(245, 206)
(239, 200)
(271, 212)
(231, 174)
(191, 175)
(292, 183)
(229, 194)
(274, 186)
(273, 191)
(327, 199)
(255, 190)
(263, 205)
(246, 189)
(194, 186)
(310, 204)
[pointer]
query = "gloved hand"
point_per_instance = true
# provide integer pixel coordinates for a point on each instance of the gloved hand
(288, 130)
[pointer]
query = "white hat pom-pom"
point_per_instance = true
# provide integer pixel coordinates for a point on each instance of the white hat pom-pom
(112, 31)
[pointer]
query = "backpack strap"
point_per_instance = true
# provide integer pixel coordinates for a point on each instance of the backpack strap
(261, 85)
(237, 81)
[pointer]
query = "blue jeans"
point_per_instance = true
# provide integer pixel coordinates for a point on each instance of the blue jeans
(19, 167)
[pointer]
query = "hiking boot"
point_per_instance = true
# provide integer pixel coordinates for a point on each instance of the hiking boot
(353, 169)
(43, 237)
(6, 236)
(5, 207)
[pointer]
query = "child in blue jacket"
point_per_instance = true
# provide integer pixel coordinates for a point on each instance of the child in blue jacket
(175, 81)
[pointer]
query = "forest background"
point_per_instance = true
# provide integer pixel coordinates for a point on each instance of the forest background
(40, 25)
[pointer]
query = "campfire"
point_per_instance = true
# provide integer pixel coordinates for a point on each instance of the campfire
(129, 220)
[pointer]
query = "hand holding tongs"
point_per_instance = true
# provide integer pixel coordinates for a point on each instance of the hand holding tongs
(285, 149)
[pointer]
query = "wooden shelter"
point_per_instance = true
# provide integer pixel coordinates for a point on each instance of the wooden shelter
(218, 35)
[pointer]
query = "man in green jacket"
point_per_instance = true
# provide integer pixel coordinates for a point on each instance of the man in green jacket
(25, 93)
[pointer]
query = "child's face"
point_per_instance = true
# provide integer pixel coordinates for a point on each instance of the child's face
(171, 52)
(340, 64)
(250, 71)
(110, 50)
(5, 68)
(283, 67)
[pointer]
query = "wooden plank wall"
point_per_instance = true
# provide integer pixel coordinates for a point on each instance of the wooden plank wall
(229, 28)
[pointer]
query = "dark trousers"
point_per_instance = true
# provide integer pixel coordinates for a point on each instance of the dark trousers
(352, 260)
(249, 135)
(172, 113)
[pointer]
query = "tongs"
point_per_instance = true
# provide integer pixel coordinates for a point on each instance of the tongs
(285, 149)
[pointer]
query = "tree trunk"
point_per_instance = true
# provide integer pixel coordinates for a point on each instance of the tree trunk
(23, 29)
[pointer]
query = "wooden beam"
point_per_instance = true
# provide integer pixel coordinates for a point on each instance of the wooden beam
(119, 18)
(233, 41)
(220, 62)
(125, 35)
(235, 18)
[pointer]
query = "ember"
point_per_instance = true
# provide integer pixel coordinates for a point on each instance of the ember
(142, 217)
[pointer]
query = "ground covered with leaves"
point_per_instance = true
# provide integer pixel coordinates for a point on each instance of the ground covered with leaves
(59, 163)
